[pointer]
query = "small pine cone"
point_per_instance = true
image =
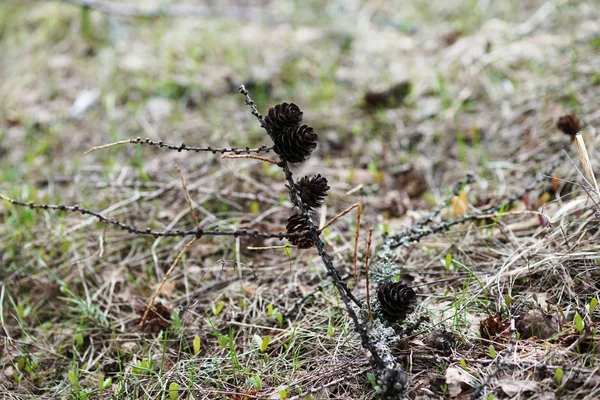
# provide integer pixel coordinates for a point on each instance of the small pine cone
(282, 116)
(397, 301)
(313, 191)
(297, 223)
(569, 124)
(296, 143)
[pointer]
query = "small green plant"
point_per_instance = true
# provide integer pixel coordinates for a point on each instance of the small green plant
(372, 380)
(217, 308)
(103, 384)
(73, 376)
(492, 351)
(448, 262)
(330, 331)
(593, 305)
(275, 313)
(282, 393)
(173, 390)
(257, 382)
(578, 321)
(558, 376)
(142, 368)
(508, 301)
(262, 343)
(196, 344)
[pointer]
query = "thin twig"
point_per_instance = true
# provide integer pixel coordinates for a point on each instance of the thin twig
(250, 156)
(470, 178)
(340, 215)
(2, 312)
(587, 163)
(356, 236)
(182, 147)
(367, 273)
(164, 279)
(269, 247)
(187, 197)
(242, 89)
(415, 234)
(139, 231)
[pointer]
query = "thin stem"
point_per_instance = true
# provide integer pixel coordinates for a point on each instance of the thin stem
(139, 231)
(182, 147)
(367, 273)
(164, 279)
(187, 197)
(356, 236)
(250, 156)
(340, 215)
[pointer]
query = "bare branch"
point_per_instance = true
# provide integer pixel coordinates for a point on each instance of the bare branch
(182, 147)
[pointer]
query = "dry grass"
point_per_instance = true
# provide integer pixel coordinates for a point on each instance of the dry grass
(488, 84)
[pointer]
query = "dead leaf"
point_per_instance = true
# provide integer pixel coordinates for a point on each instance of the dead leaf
(513, 388)
(457, 380)
(411, 182)
(159, 317)
(537, 324)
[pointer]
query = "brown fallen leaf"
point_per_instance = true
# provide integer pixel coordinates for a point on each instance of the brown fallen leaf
(457, 380)
(159, 317)
(411, 182)
(513, 388)
(536, 323)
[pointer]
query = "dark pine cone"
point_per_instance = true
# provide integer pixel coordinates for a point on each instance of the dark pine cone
(282, 116)
(296, 143)
(397, 301)
(313, 191)
(297, 223)
(569, 124)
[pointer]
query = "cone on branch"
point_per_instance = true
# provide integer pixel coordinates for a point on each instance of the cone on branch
(397, 301)
(296, 223)
(296, 143)
(282, 116)
(313, 191)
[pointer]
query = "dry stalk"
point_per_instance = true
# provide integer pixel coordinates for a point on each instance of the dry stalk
(356, 236)
(187, 197)
(181, 147)
(164, 279)
(250, 156)
(367, 273)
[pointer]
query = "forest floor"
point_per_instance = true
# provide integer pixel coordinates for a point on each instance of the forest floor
(406, 100)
